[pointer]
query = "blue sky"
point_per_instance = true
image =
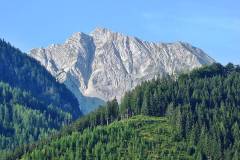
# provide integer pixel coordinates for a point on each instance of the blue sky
(212, 25)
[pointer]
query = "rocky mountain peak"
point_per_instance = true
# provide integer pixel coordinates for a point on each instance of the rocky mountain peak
(105, 64)
(76, 38)
(100, 30)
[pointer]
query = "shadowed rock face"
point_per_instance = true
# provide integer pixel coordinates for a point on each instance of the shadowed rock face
(104, 64)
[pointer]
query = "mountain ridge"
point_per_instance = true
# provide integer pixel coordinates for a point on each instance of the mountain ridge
(105, 64)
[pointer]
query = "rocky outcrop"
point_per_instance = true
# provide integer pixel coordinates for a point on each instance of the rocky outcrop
(104, 64)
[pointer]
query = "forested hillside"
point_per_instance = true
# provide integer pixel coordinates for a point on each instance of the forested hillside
(201, 119)
(139, 137)
(32, 103)
(21, 71)
(204, 108)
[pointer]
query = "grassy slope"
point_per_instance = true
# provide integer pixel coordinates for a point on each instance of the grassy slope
(139, 137)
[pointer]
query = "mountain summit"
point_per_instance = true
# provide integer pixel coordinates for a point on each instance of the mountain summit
(105, 64)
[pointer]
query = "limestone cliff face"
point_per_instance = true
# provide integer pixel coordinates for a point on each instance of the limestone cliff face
(103, 65)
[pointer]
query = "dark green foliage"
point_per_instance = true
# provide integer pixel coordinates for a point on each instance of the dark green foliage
(32, 103)
(24, 119)
(137, 138)
(21, 71)
(202, 109)
(102, 116)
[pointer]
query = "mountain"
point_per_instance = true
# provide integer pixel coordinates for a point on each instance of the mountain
(105, 64)
(32, 103)
(195, 116)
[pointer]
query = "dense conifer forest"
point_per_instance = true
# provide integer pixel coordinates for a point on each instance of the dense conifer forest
(32, 103)
(193, 116)
(23, 72)
(138, 137)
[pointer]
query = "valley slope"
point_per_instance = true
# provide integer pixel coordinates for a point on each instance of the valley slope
(32, 103)
(137, 138)
(196, 116)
